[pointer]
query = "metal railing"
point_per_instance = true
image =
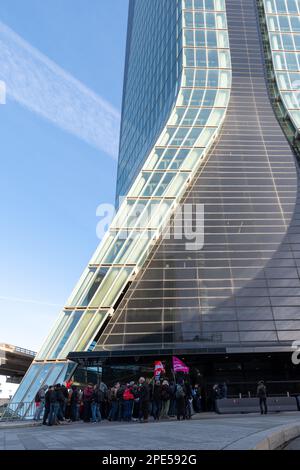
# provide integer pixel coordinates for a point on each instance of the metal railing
(17, 411)
(12, 348)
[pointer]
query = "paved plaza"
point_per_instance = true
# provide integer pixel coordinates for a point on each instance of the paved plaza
(205, 431)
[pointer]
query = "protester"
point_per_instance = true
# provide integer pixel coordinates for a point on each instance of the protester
(128, 400)
(54, 406)
(144, 396)
(180, 399)
(165, 399)
(40, 403)
(87, 401)
(74, 403)
(156, 400)
(114, 404)
(188, 399)
(96, 400)
(172, 391)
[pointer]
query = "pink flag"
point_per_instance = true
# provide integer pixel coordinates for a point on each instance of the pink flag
(179, 366)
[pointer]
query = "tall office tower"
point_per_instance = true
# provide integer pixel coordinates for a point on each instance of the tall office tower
(202, 259)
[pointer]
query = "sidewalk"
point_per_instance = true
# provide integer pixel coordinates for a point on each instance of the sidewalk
(206, 431)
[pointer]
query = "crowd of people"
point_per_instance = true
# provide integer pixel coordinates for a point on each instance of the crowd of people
(133, 401)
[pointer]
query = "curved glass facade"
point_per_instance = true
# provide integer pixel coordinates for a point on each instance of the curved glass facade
(283, 23)
(241, 292)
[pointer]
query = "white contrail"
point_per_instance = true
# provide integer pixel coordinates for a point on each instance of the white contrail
(29, 301)
(38, 83)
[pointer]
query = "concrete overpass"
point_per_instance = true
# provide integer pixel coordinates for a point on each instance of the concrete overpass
(14, 361)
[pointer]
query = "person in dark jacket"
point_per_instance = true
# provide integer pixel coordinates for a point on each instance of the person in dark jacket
(156, 400)
(64, 404)
(144, 395)
(172, 390)
(165, 399)
(113, 401)
(47, 404)
(74, 401)
(97, 398)
(54, 406)
(262, 395)
(120, 393)
(188, 399)
(61, 401)
(181, 399)
(87, 400)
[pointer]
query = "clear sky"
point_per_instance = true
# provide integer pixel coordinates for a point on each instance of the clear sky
(56, 164)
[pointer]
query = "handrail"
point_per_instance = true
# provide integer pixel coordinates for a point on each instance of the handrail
(17, 411)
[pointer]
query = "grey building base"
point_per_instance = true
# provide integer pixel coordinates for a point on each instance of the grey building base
(251, 405)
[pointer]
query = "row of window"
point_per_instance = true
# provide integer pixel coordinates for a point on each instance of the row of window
(282, 6)
(218, 5)
(204, 20)
(206, 38)
(286, 42)
(285, 23)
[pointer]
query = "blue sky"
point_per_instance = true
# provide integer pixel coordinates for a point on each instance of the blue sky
(53, 179)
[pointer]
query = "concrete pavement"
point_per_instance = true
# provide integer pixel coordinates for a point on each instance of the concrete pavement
(206, 431)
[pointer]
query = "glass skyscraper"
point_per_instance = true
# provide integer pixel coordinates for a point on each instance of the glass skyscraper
(209, 133)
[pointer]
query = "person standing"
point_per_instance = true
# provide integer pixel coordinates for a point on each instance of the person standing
(165, 399)
(95, 404)
(172, 390)
(180, 399)
(196, 392)
(156, 400)
(54, 406)
(262, 395)
(188, 399)
(144, 394)
(61, 401)
(87, 400)
(74, 400)
(47, 405)
(128, 399)
(103, 396)
(114, 404)
(40, 403)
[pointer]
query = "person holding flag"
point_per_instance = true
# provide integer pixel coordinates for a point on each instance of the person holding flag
(158, 369)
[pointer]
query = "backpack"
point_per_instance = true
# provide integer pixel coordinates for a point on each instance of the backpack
(261, 390)
(127, 395)
(180, 393)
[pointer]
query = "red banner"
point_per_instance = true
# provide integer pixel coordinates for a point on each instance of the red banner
(158, 368)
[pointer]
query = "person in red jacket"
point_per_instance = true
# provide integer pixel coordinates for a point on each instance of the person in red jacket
(128, 399)
(87, 401)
